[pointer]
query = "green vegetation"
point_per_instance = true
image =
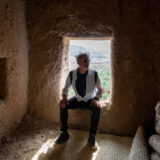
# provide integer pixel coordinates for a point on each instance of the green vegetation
(104, 75)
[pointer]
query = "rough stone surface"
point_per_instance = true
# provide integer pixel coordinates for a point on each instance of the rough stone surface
(155, 156)
(157, 127)
(14, 48)
(34, 140)
(157, 118)
(154, 141)
(157, 109)
(139, 149)
(134, 26)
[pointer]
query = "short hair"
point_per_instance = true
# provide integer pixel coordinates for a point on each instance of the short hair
(80, 55)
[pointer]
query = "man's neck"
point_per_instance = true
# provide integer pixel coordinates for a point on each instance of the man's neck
(82, 70)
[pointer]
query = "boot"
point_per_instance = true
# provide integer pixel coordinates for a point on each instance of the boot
(92, 142)
(64, 136)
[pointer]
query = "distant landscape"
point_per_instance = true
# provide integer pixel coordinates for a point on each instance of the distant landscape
(100, 61)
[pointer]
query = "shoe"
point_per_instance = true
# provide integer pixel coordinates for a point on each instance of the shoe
(92, 142)
(63, 137)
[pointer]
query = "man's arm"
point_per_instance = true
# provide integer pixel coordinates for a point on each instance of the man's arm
(100, 88)
(65, 90)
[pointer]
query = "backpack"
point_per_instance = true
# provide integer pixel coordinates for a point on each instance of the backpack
(95, 76)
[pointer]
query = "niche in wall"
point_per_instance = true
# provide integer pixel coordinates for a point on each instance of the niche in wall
(3, 78)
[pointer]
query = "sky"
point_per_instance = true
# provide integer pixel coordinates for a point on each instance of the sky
(98, 45)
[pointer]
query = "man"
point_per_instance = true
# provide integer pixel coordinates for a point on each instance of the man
(84, 82)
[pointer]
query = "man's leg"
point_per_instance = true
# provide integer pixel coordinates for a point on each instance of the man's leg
(94, 123)
(73, 104)
(94, 118)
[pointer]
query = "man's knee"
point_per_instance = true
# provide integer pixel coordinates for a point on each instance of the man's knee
(63, 108)
(96, 109)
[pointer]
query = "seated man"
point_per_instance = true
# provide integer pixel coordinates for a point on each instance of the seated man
(84, 82)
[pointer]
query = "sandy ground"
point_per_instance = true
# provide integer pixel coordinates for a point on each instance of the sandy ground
(34, 140)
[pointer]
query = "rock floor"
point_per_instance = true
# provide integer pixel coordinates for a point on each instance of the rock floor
(34, 140)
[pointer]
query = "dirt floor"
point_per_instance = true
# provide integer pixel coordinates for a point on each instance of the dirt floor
(34, 140)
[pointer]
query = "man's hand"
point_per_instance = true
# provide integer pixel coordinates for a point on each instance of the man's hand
(63, 102)
(95, 103)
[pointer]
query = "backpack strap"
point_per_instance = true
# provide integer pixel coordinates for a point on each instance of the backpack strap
(95, 76)
(71, 75)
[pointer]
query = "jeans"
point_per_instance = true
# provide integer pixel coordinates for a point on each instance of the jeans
(73, 104)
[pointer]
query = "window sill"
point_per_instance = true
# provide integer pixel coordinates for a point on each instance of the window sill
(105, 104)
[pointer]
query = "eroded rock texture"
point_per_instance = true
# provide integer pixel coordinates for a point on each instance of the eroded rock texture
(13, 63)
(155, 156)
(134, 26)
(154, 141)
(157, 118)
(139, 148)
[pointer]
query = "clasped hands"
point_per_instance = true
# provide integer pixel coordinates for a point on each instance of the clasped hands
(95, 103)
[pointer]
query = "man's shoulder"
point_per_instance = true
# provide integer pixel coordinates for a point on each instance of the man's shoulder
(93, 71)
(71, 71)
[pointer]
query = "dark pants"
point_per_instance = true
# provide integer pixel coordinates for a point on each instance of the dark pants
(73, 104)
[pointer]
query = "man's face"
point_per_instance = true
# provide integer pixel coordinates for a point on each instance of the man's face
(84, 62)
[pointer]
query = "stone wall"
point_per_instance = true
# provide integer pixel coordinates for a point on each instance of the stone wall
(14, 60)
(134, 26)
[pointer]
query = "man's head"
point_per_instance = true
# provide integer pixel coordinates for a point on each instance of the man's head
(83, 60)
